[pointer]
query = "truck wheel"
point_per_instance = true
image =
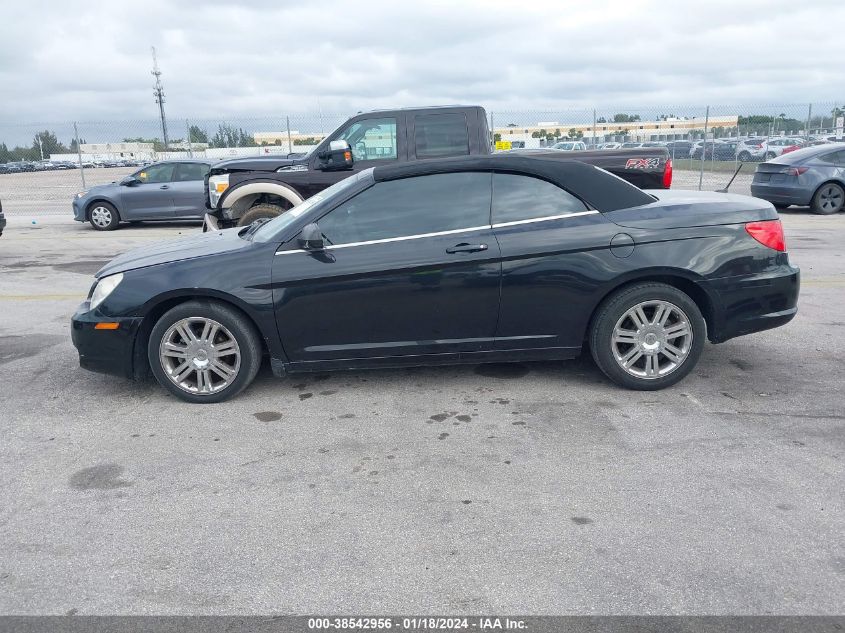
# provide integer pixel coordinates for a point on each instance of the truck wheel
(258, 212)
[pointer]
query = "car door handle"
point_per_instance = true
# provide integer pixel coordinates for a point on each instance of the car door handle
(165, 187)
(463, 247)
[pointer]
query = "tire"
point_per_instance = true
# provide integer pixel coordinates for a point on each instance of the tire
(770, 155)
(203, 375)
(103, 216)
(828, 199)
(260, 211)
(744, 156)
(649, 341)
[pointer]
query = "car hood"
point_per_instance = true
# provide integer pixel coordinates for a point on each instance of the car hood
(272, 162)
(101, 188)
(677, 208)
(200, 245)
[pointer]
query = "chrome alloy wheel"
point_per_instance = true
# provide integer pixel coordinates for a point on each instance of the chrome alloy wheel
(101, 216)
(652, 339)
(200, 355)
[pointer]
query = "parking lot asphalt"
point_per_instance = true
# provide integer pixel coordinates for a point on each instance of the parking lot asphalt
(36, 195)
(523, 488)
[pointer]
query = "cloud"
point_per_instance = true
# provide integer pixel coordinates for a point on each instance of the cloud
(90, 61)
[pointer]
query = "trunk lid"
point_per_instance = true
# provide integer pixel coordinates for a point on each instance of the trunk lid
(676, 209)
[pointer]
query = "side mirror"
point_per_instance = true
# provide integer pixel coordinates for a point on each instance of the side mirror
(311, 238)
(336, 157)
(130, 181)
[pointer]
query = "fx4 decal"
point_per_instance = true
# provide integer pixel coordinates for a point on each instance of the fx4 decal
(642, 163)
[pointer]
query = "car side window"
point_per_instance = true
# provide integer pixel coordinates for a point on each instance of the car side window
(517, 198)
(411, 206)
(837, 158)
(441, 135)
(371, 139)
(190, 171)
(162, 172)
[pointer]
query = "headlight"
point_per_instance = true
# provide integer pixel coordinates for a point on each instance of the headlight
(81, 193)
(216, 186)
(104, 288)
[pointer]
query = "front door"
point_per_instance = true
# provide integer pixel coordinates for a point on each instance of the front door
(187, 190)
(411, 268)
(150, 199)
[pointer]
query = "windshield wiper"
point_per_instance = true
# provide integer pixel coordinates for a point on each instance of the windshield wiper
(252, 228)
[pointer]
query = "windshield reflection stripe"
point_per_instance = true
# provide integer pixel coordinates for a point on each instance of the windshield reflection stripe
(452, 232)
(409, 237)
(499, 225)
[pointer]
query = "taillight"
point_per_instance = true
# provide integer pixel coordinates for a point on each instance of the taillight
(795, 171)
(667, 174)
(768, 233)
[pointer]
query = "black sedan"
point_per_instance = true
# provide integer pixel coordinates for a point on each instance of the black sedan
(466, 260)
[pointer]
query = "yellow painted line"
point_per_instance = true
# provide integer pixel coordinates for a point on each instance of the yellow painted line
(822, 282)
(57, 297)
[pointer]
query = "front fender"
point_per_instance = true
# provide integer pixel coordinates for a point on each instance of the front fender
(240, 197)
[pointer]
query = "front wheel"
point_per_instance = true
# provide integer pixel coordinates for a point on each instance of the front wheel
(830, 198)
(744, 156)
(647, 336)
(770, 155)
(103, 216)
(204, 351)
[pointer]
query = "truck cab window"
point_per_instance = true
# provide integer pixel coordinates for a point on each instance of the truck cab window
(441, 135)
(371, 139)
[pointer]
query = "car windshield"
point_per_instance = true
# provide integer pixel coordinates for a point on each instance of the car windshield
(269, 229)
(564, 145)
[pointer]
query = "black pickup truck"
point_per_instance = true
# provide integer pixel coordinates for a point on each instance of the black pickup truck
(242, 190)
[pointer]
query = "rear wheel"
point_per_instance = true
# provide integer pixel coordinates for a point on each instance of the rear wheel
(830, 198)
(103, 216)
(647, 336)
(204, 351)
(260, 212)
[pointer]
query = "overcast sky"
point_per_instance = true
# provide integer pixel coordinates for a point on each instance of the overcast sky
(90, 60)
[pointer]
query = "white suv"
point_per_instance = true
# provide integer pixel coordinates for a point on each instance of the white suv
(775, 146)
(751, 149)
(570, 146)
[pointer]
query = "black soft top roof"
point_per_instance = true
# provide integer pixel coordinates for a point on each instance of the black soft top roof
(598, 188)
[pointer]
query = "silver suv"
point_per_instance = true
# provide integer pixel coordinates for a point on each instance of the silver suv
(751, 149)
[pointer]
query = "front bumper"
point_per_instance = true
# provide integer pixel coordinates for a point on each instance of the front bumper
(78, 210)
(753, 303)
(105, 351)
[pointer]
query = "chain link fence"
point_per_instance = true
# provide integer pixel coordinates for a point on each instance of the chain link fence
(43, 165)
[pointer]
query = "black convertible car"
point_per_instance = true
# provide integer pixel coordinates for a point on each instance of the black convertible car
(465, 260)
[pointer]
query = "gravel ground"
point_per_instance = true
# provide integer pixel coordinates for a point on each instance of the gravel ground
(527, 488)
